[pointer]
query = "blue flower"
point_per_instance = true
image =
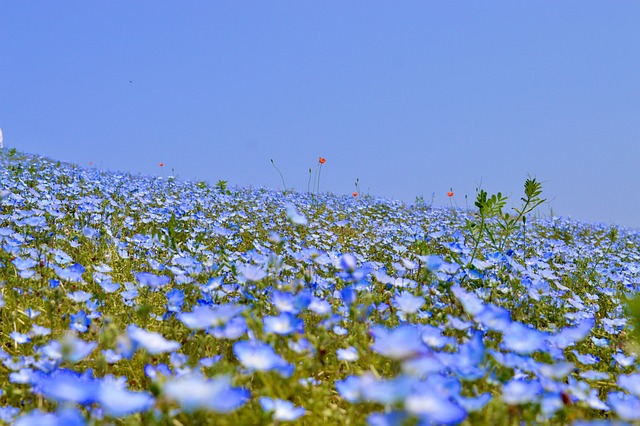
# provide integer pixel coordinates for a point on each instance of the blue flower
(151, 280)
(256, 355)
(79, 322)
(349, 354)
(282, 410)
(283, 324)
(234, 329)
(627, 407)
(294, 216)
(67, 386)
(72, 274)
(556, 371)
(519, 391)
(64, 417)
(8, 413)
(22, 264)
(19, 338)
(79, 296)
(408, 303)
(252, 273)
(108, 286)
(587, 359)
(434, 407)
(116, 401)
(400, 343)
(175, 299)
(630, 383)
(209, 316)
(194, 392)
(523, 340)
(152, 342)
(73, 349)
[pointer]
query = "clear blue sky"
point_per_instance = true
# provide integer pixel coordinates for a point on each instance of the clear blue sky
(411, 97)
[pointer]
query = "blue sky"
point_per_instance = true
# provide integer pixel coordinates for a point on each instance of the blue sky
(410, 97)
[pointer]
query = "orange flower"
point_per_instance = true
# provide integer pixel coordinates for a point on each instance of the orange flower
(161, 164)
(355, 194)
(322, 160)
(450, 194)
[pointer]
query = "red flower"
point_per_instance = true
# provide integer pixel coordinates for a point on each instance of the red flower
(450, 194)
(355, 194)
(161, 164)
(322, 160)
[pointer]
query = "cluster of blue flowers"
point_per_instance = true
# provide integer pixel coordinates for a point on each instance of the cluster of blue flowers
(153, 297)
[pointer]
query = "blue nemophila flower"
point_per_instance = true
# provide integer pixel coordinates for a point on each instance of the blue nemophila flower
(111, 356)
(470, 301)
(117, 401)
(23, 376)
(234, 329)
(320, 306)
(519, 391)
(64, 385)
(282, 410)
(474, 403)
(31, 313)
(494, 318)
(467, 362)
(210, 361)
(209, 316)
(558, 370)
(80, 322)
(108, 286)
(294, 216)
(400, 343)
(37, 330)
(392, 418)
(630, 383)
(594, 375)
(433, 337)
(72, 348)
(252, 273)
(627, 407)
(64, 417)
(348, 354)
(283, 324)
(194, 392)
(8, 413)
(301, 345)
(175, 300)
(72, 274)
(523, 340)
(152, 342)
(151, 280)
(256, 355)
(19, 338)
(348, 295)
(569, 336)
(23, 264)
(623, 360)
(367, 388)
(79, 296)
(156, 371)
(408, 303)
(586, 359)
(434, 407)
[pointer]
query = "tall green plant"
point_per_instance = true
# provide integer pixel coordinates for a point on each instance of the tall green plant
(495, 227)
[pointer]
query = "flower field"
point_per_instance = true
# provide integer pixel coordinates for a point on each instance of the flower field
(132, 300)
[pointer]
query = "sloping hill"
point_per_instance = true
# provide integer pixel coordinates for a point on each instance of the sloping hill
(155, 300)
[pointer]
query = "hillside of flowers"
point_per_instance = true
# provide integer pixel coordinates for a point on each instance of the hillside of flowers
(131, 300)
